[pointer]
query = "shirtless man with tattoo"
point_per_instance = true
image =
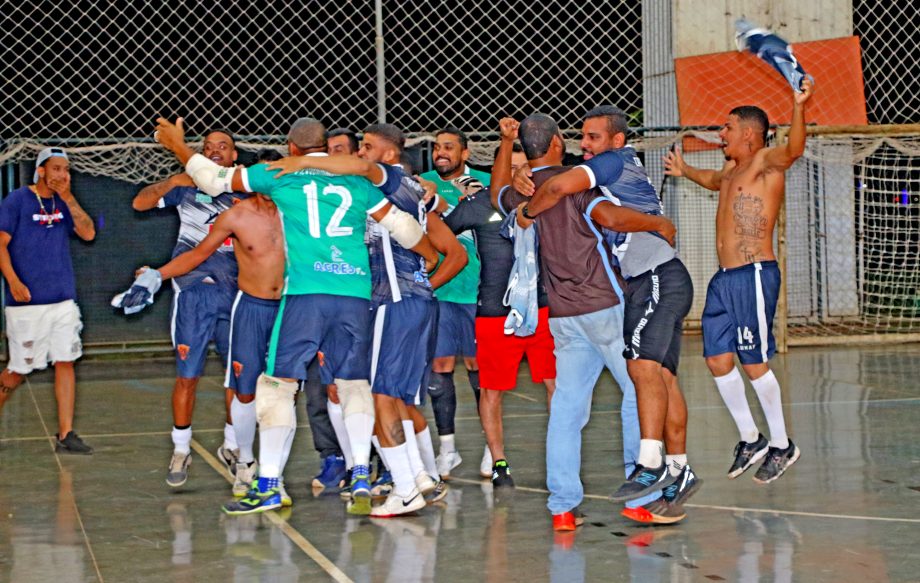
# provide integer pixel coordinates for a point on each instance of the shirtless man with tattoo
(741, 299)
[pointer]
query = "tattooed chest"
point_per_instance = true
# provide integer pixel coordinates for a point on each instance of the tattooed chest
(749, 217)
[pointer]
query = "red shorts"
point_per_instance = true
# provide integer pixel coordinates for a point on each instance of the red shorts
(499, 355)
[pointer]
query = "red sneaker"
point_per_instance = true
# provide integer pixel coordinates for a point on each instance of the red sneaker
(564, 521)
(639, 514)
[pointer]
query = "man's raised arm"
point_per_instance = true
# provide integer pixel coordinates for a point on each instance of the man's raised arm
(783, 155)
(501, 168)
(674, 165)
(209, 177)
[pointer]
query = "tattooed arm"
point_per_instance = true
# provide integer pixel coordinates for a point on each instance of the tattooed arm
(82, 223)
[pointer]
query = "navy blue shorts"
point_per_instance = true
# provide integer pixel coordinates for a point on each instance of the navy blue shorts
(200, 314)
(456, 330)
(738, 317)
(306, 324)
(402, 343)
(251, 323)
(657, 302)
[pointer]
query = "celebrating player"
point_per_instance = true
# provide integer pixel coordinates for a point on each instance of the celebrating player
(741, 298)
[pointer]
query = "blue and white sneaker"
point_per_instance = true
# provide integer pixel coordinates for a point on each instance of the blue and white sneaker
(643, 481)
(266, 495)
(360, 491)
(331, 474)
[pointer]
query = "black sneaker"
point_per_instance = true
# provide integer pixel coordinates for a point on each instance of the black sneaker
(643, 481)
(501, 475)
(776, 463)
(71, 444)
(748, 454)
(685, 486)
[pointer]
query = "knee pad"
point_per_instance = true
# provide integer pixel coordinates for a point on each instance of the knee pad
(275, 402)
(441, 383)
(355, 397)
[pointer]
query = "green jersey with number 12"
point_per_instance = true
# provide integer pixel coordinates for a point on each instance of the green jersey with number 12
(324, 217)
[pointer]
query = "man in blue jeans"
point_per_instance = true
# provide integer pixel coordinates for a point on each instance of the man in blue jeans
(585, 309)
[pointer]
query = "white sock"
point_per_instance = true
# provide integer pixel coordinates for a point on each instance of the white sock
(341, 434)
(182, 440)
(447, 444)
(731, 387)
(360, 428)
(271, 450)
(286, 453)
(676, 463)
(426, 451)
(650, 452)
(403, 480)
(244, 425)
(383, 456)
(767, 389)
(230, 436)
(412, 451)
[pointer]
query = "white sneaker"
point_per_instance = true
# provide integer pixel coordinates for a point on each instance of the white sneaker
(447, 461)
(485, 466)
(425, 483)
(396, 505)
(286, 501)
(244, 476)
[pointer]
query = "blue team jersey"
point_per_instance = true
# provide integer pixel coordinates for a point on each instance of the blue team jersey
(619, 174)
(197, 213)
(397, 272)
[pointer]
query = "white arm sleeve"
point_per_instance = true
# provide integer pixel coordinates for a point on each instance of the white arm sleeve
(211, 178)
(404, 229)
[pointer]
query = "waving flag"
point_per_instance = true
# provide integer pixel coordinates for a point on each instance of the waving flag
(772, 49)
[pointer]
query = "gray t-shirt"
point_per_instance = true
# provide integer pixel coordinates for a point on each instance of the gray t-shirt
(574, 257)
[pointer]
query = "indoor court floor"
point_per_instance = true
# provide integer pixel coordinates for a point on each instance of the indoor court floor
(849, 510)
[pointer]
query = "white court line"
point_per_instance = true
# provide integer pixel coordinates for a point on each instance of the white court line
(291, 532)
(729, 508)
(522, 396)
(73, 499)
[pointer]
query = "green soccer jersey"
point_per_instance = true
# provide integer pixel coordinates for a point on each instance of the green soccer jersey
(324, 218)
(464, 287)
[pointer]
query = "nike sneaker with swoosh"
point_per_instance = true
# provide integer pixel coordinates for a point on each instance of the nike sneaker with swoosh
(396, 505)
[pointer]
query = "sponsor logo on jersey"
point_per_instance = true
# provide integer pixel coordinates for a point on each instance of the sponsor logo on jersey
(182, 350)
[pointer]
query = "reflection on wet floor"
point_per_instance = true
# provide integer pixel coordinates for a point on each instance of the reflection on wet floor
(848, 511)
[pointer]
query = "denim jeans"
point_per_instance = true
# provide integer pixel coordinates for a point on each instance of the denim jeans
(585, 344)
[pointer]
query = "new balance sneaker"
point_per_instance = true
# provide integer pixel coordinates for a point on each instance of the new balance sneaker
(643, 481)
(396, 505)
(178, 469)
(425, 483)
(748, 454)
(440, 491)
(71, 444)
(264, 496)
(243, 478)
(383, 485)
(485, 466)
(776, 463)
(656, 512)
(501, 475)
(331, 474)
(686, 485)
(286, 501)
(360, 502)
(229, 457)
(447, 461)
(564, 522)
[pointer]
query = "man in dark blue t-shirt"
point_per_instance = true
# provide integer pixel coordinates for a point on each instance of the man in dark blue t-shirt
(42, 317)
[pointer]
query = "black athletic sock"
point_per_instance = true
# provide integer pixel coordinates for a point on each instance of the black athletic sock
(474, 384)
(443, 401)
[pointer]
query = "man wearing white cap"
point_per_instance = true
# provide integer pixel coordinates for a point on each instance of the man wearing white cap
(42, 317)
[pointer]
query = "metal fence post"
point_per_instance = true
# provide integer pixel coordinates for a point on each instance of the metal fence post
(381, 78)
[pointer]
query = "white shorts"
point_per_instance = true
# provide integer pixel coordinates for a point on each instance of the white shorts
(42, 334)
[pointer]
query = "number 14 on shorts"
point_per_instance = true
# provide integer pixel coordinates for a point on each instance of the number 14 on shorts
(745, 338)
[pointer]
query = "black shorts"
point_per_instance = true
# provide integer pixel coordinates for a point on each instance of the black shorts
(656, 304)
